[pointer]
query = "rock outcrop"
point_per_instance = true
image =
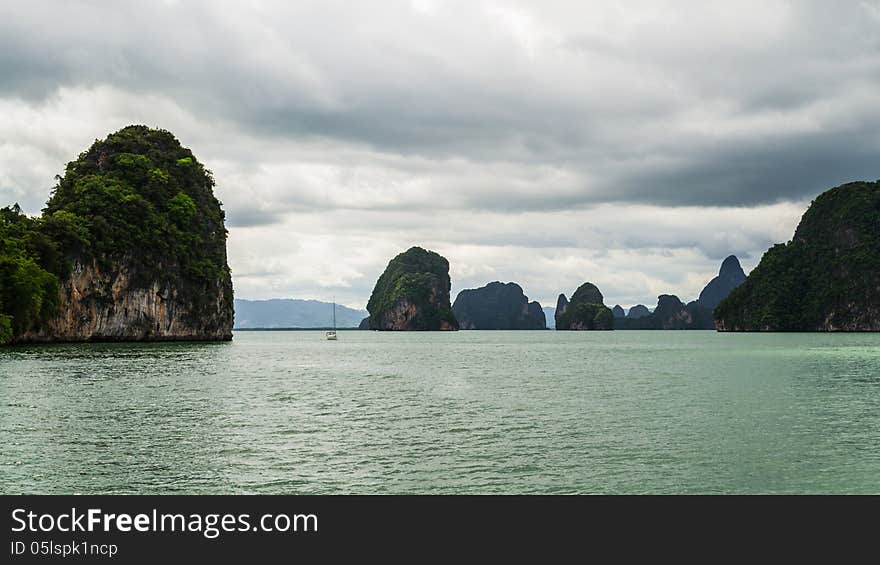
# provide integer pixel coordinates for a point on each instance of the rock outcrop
(140, 246)
(827, 278)
(585, 311)
(561, 307)
(413, 294)
(497, 306)
(730, 276)
(638, 311)
(365, 324)
(672, 314)
(618, 311)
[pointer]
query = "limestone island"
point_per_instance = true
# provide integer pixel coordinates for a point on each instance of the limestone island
(826, 279)
(413, 294)
(585, 311)
(131, 246)
(498, 306)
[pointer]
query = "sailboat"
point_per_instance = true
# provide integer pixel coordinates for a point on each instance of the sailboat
(331, 335)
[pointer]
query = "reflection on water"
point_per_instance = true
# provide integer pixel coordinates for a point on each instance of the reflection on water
(465, 412)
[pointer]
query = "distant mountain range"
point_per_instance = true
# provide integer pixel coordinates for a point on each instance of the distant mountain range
(294, 313)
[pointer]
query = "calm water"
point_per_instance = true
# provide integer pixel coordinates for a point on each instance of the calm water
(466, 412)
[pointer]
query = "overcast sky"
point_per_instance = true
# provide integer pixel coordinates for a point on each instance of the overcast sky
(632, 144)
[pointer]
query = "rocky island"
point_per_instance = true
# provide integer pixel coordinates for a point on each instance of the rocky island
(130, 247)
(638, 311)
(827, 278)
(585, 311)
(673, 314)
(413, 294)
(498, 306)
(730, 276)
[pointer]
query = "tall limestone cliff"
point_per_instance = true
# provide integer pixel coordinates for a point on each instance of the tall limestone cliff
(497, 306)
(561, 307)
(730, 276)
(413, 294)
(585, 311)
(136, 241)
(827, 278)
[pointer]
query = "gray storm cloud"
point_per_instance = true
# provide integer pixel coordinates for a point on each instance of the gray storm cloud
(581, 140)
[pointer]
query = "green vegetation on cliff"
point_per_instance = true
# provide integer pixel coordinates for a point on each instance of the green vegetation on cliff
(29, 263)
(827, 278)
(585, 311)
(137, 201)
(587, 317)
(139, 194)
(413, 293)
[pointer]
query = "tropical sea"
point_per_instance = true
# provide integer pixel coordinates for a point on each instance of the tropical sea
(516, 412)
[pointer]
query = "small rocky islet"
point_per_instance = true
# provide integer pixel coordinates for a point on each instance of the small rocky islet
(412, 294)
(585, 311)
(498, 306)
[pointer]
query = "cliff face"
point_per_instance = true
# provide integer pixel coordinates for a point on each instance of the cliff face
(618, 311)
(585, 311)
(561, 307)
(413, 294)
(827, 278)
(109, 306)
(497, 306)
(137, 243)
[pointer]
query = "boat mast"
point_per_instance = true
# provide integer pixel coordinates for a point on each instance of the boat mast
(334, 312)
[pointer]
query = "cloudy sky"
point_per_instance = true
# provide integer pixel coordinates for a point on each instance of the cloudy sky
(632, 144)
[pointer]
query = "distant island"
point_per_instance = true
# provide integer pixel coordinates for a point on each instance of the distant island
(413, 294)
(498, 306)
(673, 314)
(293, 313)
(585, 311)
(130, 247)
(827, 278)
